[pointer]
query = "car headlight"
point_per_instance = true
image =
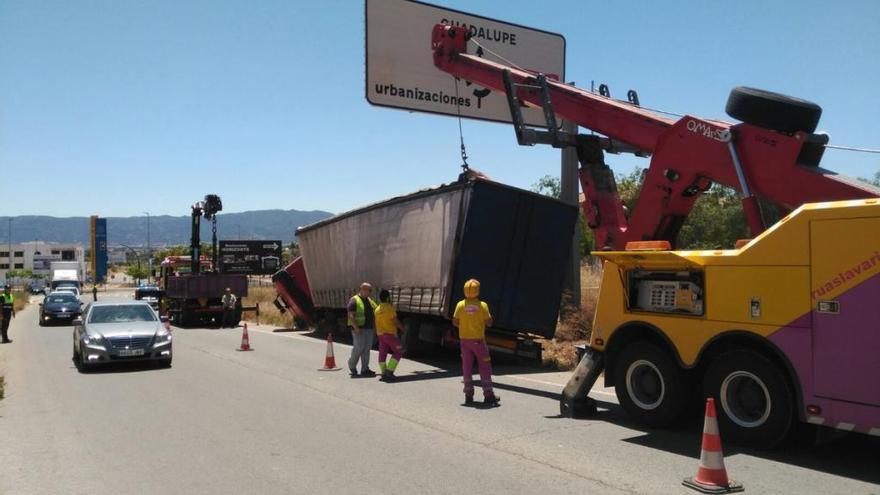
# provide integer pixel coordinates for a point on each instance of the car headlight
(162, 336)
(93, 339)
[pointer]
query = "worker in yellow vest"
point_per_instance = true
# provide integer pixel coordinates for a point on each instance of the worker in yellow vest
(7, 312)
(387, 325)
(362, 320)
(471, 317)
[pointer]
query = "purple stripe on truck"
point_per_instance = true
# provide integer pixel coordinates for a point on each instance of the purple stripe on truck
(834, 356)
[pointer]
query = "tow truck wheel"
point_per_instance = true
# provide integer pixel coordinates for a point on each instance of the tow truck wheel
(773, 111)
(650, 385)
(752, 397)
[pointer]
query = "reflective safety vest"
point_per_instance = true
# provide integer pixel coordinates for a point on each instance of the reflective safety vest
(7, 299)
(359, 315)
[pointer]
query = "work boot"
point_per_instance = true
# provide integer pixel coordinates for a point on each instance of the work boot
(468, 399)
(368, 372)
(389, 376)
(353, 372)
(491, 399)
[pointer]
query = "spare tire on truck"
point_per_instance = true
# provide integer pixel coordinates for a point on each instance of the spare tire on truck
(773, 111)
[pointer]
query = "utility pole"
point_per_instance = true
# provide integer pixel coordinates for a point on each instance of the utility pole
(11, 266)
(569, 193)
(149, 249)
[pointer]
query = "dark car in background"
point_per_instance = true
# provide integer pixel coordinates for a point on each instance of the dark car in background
(60, 307)
(151, 294)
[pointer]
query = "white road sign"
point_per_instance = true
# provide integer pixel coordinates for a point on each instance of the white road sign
(400, 66)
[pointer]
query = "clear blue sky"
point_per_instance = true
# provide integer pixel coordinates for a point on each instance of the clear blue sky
(115, 107)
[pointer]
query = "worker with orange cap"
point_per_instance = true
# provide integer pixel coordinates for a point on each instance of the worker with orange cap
(471, 317)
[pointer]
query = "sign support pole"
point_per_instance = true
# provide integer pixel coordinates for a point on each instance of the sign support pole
(569, 193)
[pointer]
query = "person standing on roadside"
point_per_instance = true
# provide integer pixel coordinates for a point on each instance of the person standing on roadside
(229, 301)
(362, 320)
(7, 311)
(387, 326)
(471, 317)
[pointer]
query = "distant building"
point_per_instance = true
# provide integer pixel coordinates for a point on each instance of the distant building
(36, 256)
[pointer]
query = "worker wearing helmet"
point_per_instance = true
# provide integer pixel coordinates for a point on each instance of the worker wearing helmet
(7, 311)
(362, 320)
(229, 301)
(471, 317)
(387, 326)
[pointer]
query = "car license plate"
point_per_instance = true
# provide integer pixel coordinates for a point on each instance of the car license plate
(131, 352)
(63, 315)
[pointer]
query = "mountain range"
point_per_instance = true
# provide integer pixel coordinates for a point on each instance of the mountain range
(164, 230)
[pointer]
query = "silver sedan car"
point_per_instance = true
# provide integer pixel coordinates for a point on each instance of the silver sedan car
(115, 331)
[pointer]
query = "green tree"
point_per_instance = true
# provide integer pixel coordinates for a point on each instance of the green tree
(20, 273)
(875, 181)
(548, 186)
(716, 221)
(137, 272)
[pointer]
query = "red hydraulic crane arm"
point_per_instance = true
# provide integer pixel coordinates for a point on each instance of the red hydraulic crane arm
(687, 155)
(617, 120)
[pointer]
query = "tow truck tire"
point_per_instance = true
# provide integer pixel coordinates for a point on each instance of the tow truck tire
(650, 385)
(753, 399)
(772, 111)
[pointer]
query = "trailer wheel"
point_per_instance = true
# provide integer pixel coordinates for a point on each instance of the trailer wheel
(650, 385)
(412, 344)
(772, 111)
(753, 399)
(327, 324)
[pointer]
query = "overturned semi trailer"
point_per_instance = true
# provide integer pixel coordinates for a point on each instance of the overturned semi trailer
(422, 247)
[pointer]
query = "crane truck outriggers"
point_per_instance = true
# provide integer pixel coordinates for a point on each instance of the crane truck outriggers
(782, 328)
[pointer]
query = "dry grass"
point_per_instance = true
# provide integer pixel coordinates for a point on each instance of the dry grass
(575, 324)
(269, 314)
(21, 300)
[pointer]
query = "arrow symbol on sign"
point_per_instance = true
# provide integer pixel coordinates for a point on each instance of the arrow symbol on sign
(274, 245)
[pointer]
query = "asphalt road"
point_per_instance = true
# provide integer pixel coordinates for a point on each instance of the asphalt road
(266, 422)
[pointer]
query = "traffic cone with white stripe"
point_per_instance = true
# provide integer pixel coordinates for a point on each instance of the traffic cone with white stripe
(329, 358)
(711, 474)
(245, 340)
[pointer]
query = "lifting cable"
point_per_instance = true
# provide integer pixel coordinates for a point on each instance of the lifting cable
(852, 148)
(464, 164)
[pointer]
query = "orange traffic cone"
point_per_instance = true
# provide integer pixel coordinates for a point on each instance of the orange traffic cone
(245, 341)
(329, 359)
(711, 474)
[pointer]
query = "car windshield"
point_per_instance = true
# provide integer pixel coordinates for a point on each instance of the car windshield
(61, 298)
(121, 314)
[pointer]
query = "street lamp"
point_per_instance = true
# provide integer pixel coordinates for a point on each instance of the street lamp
(149, 249)
(137, 257)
